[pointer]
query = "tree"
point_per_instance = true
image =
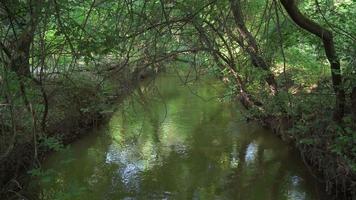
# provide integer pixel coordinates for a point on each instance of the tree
(249, 44)
(327, 37)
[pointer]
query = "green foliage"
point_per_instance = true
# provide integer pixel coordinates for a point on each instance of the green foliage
(344, 142)
(51, 143)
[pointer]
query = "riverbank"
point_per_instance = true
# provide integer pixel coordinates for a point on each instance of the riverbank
(76, 105)
(315, 147)
(302, 115)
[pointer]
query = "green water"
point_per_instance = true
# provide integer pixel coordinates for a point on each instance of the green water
(170, 141)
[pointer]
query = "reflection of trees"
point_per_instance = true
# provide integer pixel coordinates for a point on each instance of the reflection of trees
(210, 145)
(79, 172)
(235, 179)
(278, 183)
(185, 172)
(197, 152)
(260, 178)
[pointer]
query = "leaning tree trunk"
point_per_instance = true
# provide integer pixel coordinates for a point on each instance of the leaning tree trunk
(328, 41)
(244, 97)
(249, 44)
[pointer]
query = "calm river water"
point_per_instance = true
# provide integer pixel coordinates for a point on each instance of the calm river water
(175, 141)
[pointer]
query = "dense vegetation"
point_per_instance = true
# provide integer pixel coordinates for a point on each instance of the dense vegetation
(290, 63)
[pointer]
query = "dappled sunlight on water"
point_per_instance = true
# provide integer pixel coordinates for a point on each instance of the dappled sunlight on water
(167, 143)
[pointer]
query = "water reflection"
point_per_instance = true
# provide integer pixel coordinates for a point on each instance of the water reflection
(251, 152)
(167, 143)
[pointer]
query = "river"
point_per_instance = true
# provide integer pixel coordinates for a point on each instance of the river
(170, 140)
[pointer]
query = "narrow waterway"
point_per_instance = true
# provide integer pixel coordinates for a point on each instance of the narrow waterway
(175, 141)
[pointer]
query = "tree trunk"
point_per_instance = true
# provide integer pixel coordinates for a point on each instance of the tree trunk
(20, 56)
(249, 44)
(328, 41)
(244, 97)
(353, 102)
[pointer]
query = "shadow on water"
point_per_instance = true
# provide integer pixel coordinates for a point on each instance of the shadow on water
(168, 143)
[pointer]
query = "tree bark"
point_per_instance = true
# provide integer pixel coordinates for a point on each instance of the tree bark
(19, 61)
(18, 47)
(249, 44)
(327, 37)
(353, 102)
